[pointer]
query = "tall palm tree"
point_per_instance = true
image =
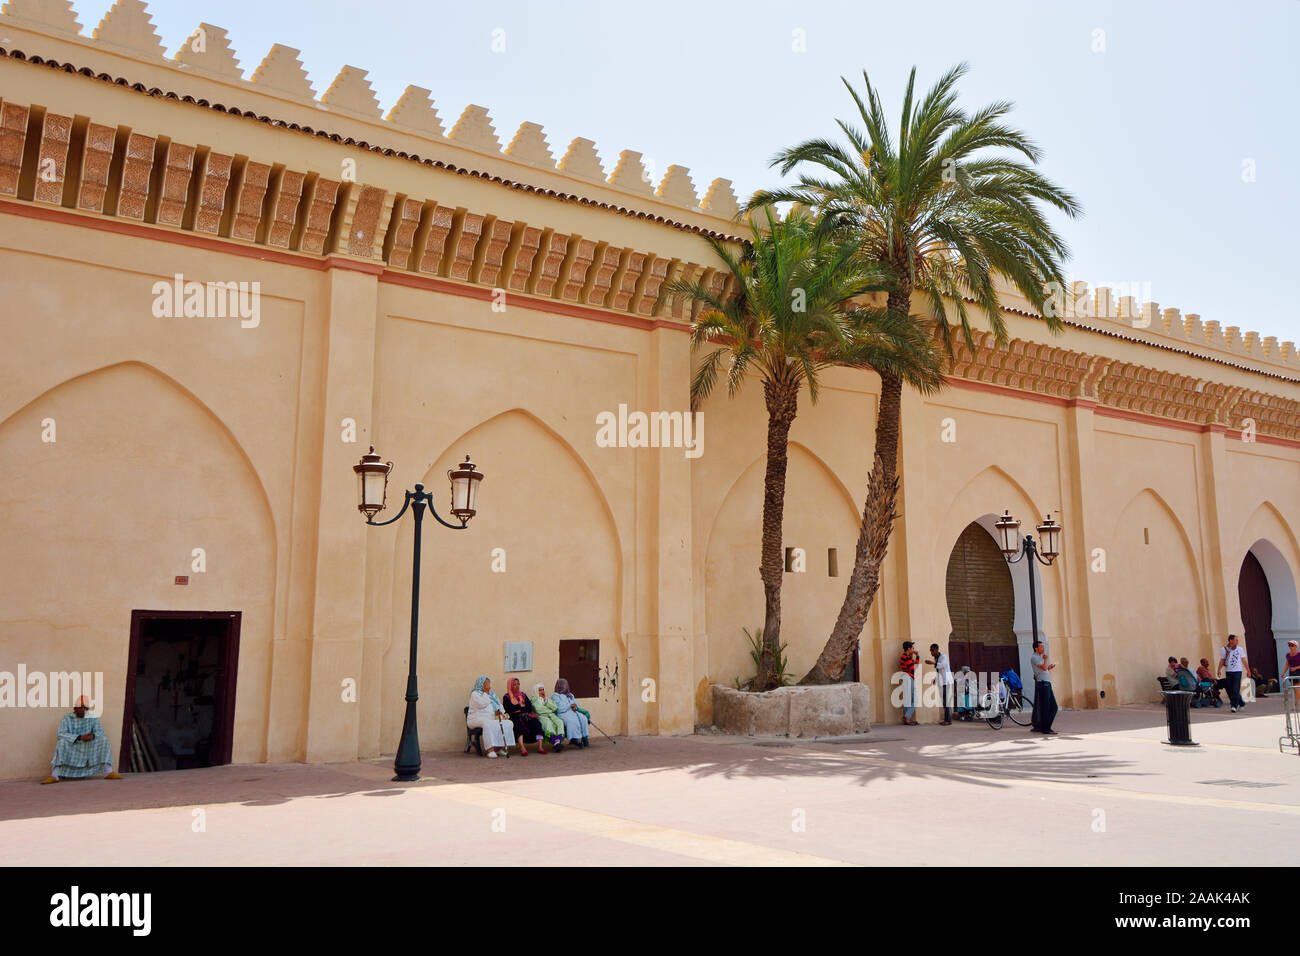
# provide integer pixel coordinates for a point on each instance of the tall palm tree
(951, 204)
(789, 314)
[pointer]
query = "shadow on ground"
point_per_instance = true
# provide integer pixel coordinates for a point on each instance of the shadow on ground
(971, 753)
(966, 752)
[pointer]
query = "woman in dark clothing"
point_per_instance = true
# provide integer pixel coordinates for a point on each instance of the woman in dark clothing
(520, 712)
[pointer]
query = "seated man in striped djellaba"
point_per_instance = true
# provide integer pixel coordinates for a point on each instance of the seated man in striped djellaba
(82, 749)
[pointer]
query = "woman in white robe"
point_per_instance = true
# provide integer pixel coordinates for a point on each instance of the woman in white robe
(573, 716)
(485, 712)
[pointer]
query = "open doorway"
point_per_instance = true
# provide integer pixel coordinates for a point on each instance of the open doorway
(180, 690)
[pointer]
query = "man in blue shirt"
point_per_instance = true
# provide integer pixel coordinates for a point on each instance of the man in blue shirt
(1044, 699)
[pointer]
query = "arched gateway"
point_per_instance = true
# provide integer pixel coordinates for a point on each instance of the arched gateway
(1270, 613)
(981, 604)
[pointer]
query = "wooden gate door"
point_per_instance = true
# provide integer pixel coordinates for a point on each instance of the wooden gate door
(1257, 615)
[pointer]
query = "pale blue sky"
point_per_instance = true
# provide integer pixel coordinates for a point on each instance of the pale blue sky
(1150, 134)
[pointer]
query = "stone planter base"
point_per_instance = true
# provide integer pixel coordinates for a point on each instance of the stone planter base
(826, 710)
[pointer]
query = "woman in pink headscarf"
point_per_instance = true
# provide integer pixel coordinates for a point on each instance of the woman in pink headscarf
(520, 711)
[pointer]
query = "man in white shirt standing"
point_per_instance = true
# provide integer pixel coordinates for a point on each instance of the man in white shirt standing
(1233, 658)
(942, 676)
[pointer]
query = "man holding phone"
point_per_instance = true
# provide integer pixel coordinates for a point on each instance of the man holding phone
(943, 676)
(1044, 699)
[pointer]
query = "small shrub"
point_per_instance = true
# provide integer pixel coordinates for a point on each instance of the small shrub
(756, 652)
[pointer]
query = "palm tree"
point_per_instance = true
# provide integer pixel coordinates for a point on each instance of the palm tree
(945, 209)
(788, 315)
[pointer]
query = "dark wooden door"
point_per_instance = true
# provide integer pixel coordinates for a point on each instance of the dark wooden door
(223, 729)
(981, 604)
(223, 737)
(1000, 658)
(580, 666)
(1257, 616)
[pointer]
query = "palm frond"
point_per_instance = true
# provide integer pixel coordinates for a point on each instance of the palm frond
(954, 210)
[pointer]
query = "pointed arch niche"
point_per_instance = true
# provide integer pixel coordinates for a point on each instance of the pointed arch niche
(1274, 551)
(542, 518)
(1155, 595)
(819, 515)
(100, 521)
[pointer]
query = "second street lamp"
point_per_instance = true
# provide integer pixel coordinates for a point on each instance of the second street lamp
(372, 491)
(1049, 533)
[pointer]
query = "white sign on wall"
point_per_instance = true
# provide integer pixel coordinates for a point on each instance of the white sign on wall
(519, 656)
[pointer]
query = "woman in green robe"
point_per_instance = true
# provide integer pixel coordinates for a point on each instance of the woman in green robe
(544, 708)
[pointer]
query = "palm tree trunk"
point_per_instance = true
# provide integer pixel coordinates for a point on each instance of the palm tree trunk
(873, 536)
(782, 406)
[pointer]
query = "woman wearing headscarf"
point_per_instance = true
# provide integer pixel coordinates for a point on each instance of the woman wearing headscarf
(544, 708)
(523, 717)
(574, 717)
(485, 712)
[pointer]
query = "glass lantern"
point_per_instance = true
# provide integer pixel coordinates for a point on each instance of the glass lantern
(372, 483)
(464, 490)
(1008, 535)
(1049, 538)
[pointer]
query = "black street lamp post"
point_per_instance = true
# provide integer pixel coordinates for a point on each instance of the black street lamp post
(372, 490)
(1049, 533)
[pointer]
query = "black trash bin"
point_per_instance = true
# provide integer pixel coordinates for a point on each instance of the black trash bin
(1178, 717)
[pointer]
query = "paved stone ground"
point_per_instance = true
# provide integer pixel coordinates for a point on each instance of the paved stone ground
(1106, 791)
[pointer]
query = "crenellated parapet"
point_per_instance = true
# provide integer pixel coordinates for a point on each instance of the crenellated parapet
(1113, 311)
(1122, 386)
(102, 126)
(1147, 321)
(125, 46)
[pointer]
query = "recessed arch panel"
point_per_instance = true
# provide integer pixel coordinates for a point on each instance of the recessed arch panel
(141, 476)
(1155, 596)
(540, 562)
(819, 515)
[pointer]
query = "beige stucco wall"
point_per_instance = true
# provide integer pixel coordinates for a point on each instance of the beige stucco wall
(180, 433)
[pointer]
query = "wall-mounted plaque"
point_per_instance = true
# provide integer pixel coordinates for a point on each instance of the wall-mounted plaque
(519, 656)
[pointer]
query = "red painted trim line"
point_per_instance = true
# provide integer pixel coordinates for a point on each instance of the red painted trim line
(347, 264)
(1010, 392)
(448, 287)
(159, 234)
(430, 283)
(332, 261)
(1119, 413)
(1145, 419)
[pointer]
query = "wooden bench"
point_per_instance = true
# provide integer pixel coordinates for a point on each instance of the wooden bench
(473, 736)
